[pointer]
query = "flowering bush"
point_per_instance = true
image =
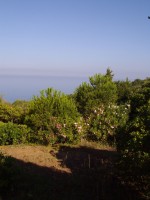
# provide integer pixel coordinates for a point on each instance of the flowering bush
(103, 122)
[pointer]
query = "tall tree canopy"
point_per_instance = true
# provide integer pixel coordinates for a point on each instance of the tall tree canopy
(100, 90)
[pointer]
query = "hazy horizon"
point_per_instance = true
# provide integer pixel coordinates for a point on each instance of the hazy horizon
(24, 87)
(118, 75)
(13, 87)
(75, 38)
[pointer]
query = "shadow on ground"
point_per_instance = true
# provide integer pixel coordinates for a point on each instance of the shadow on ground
(92, 177)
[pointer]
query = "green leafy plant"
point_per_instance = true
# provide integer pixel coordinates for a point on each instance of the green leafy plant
(11, 133)
(52, 116)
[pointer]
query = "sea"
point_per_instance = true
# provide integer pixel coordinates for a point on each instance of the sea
(15, 87)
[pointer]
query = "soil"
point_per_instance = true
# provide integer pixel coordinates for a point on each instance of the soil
(39, 155)
(63, 172)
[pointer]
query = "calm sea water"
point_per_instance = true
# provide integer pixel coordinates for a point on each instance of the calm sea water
(24, 87)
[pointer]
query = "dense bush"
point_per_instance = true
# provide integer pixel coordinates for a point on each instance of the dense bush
(53, 116)
(15, 112)
(135, 138)
(104, 122)
(101, 90)
(97, 102)
(11, 133)
(133, 141)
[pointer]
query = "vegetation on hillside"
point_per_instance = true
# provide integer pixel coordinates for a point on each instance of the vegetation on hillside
(103, 110)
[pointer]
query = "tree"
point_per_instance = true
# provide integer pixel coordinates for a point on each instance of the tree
(82, 96)
(22, 108)
(53, 115)
(109, 73)
(134, 139)
(124, 90)
(100, 90)
(104, 89)
(96, 101)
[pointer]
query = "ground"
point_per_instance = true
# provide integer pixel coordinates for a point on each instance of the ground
(63, 172)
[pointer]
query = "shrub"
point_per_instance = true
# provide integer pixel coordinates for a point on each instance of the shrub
(53, 116)
(11, 133)
(104, 121)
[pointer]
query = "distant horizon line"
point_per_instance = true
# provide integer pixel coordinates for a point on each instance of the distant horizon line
(42, 73)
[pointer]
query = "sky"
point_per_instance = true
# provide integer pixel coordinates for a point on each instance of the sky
(75, 37)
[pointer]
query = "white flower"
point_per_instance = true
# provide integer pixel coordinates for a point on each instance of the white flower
(112, 127)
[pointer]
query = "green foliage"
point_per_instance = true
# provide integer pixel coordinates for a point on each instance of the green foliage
(100, 90)
(82, 96)
(124, 90)
(52, 117)
(134, 139)
(11, 133)
(109, 73)
(6, 112)
(96, 101)
(21, 109)
(13, 112)
(104, 121)
(104, 89)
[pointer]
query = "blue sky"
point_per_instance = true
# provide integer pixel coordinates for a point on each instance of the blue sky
(75, 37)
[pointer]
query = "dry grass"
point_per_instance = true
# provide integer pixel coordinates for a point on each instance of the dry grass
(36, 154)
(69, 172)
